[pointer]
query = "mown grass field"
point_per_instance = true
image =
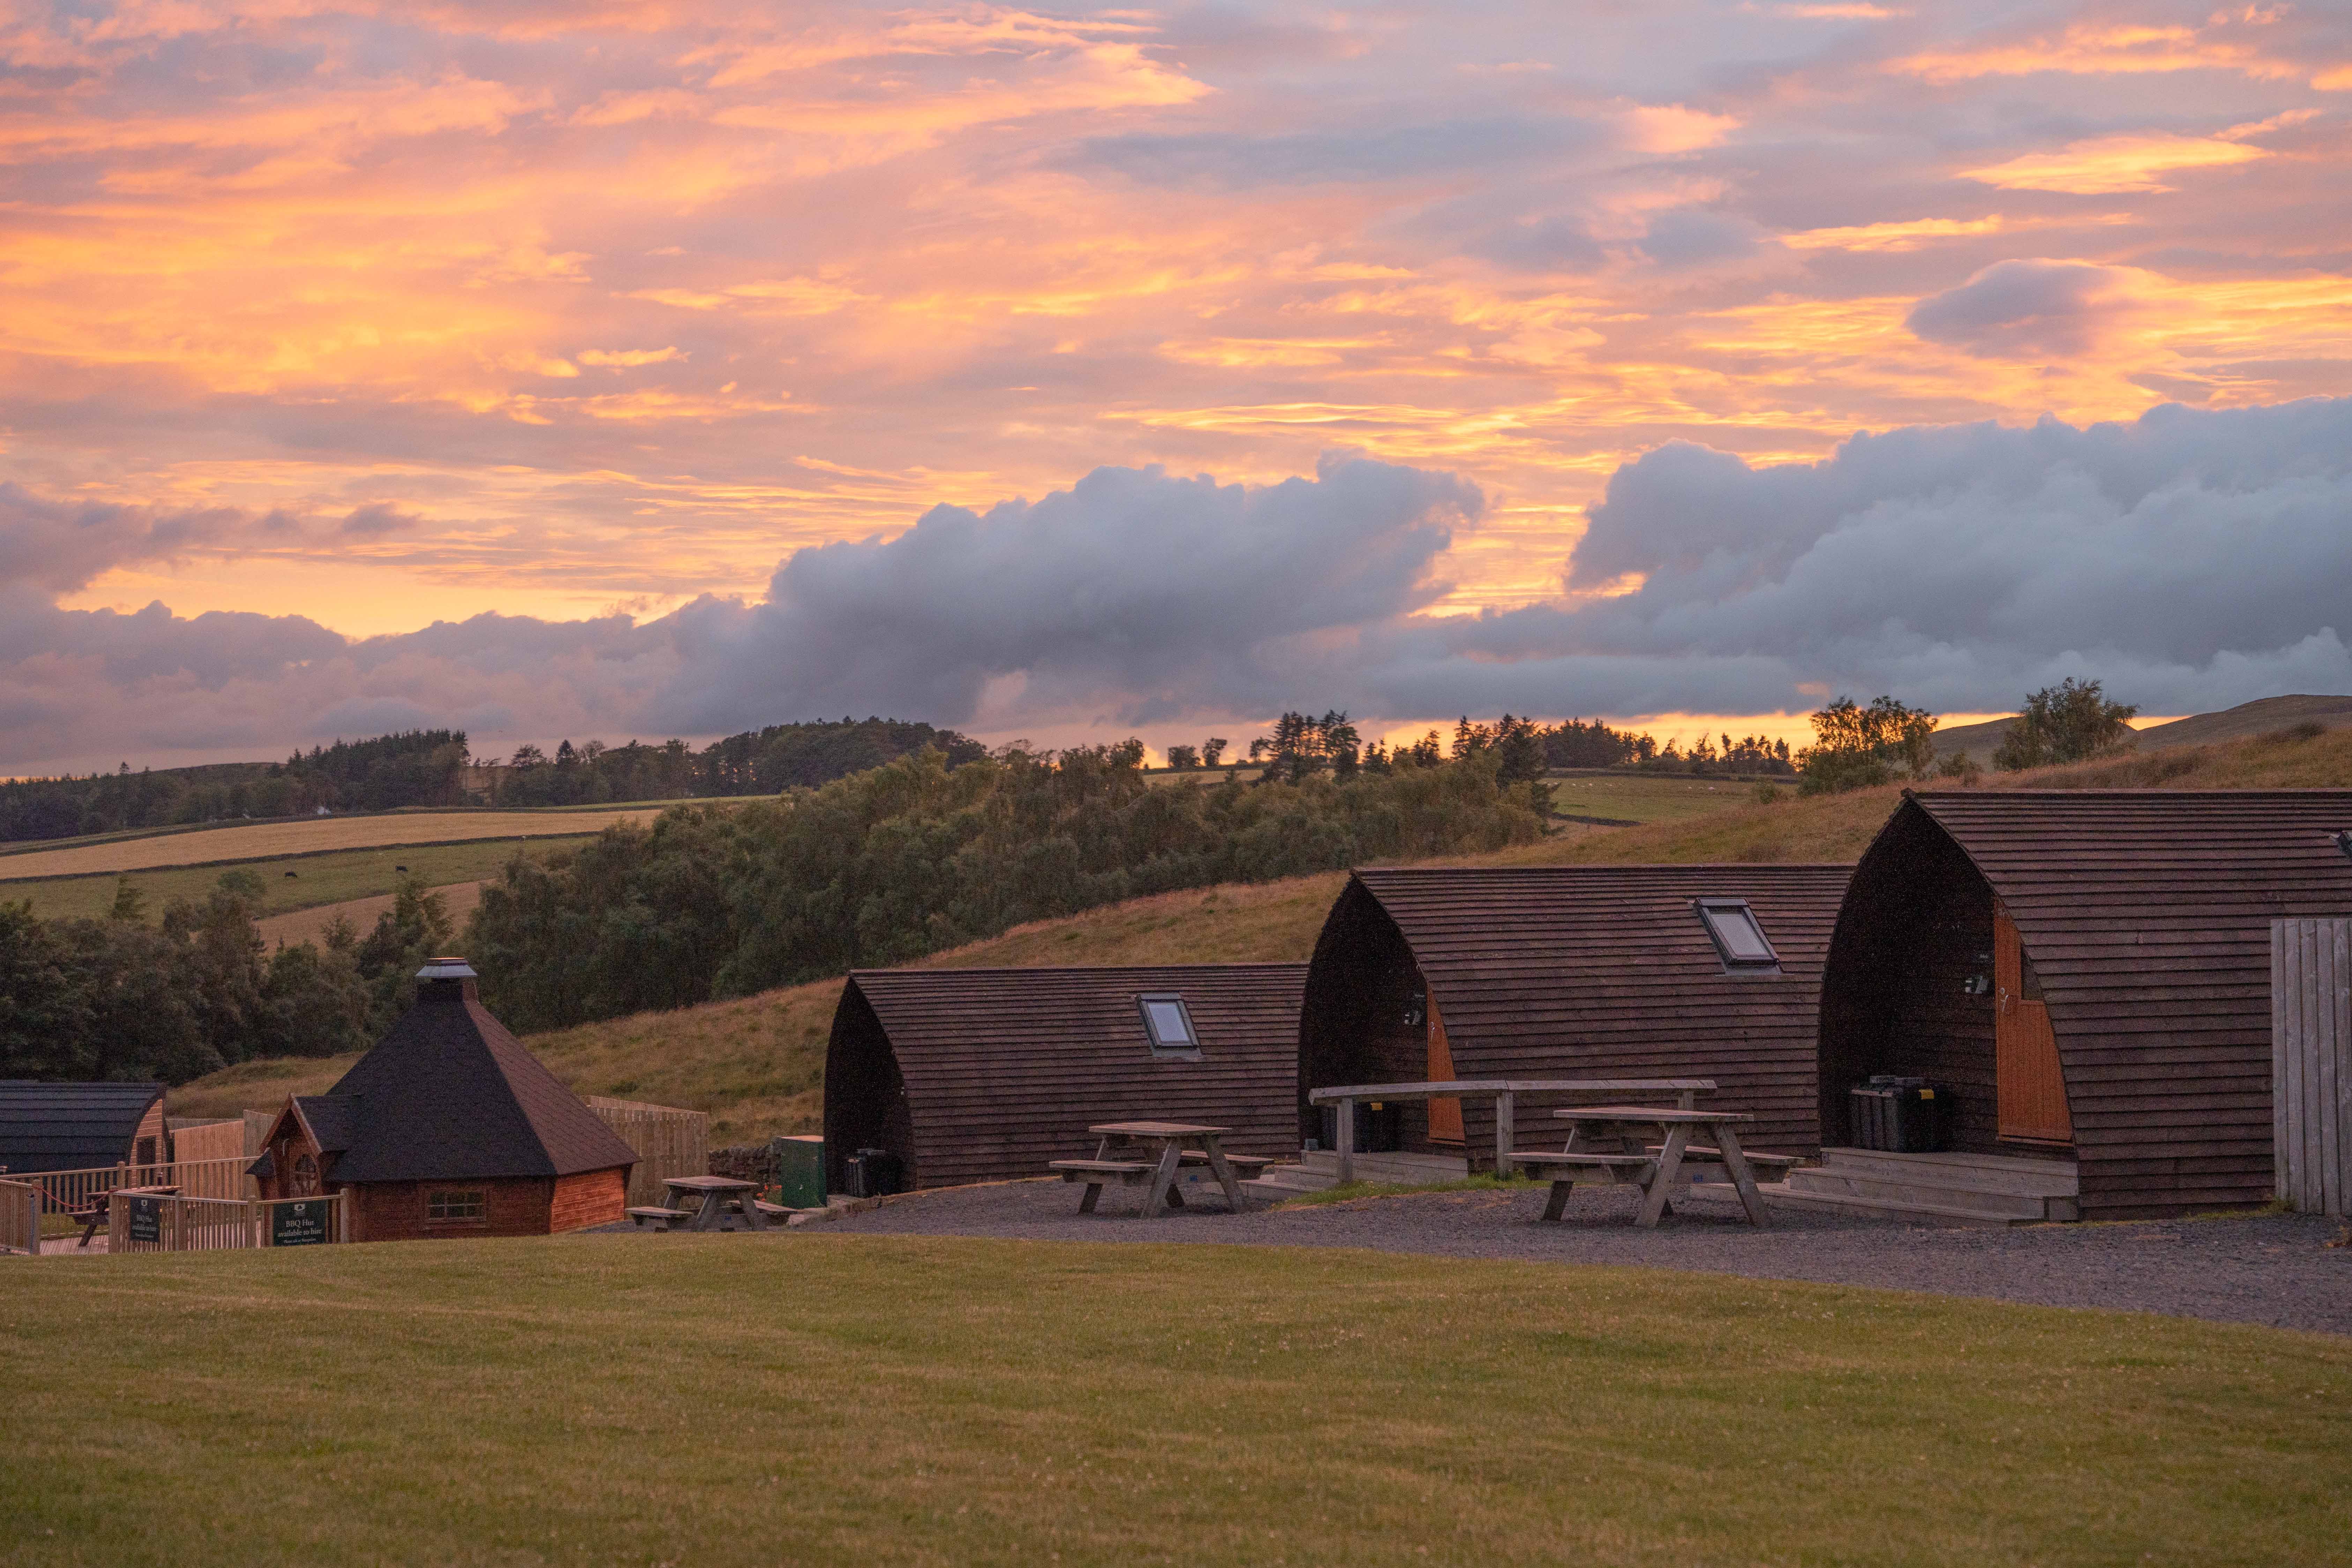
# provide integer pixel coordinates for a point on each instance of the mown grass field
(812, 1398)
(757, 1063)
(318, 879)
(1643, 797)
(312, 835)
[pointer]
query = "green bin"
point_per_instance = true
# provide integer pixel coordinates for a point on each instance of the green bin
(800, 1172)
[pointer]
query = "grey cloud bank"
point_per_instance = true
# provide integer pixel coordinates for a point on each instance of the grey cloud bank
(2190, 559)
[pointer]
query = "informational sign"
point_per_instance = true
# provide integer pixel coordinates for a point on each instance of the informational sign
(299, 1223)
(146, 1219)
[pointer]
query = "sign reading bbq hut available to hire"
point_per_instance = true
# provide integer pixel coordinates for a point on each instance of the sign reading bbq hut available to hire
(301, 1222)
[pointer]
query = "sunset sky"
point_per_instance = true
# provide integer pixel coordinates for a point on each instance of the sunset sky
(1152, 369)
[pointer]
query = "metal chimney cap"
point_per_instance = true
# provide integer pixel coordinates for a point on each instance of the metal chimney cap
(447, 969)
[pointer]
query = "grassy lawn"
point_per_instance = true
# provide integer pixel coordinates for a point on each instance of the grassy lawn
(330, 879)
(716, 1400)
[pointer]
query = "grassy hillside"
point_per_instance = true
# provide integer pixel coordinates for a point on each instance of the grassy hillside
(260, 841)
(757, 1063)
(811, 1398)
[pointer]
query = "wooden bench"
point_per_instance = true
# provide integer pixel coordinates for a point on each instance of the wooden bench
(1098, 1173)
(1767, 1167)
(1245, 1166)
(664, 1217)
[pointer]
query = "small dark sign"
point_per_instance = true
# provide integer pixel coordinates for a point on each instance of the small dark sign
(146, 1219)
(301, 1222)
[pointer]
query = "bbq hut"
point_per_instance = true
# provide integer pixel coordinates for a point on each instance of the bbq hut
(448, 1128)
(1434, 975)
(2086, 976)
(978, 1075)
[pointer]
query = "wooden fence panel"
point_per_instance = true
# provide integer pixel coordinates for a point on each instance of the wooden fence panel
(2311, 1063)
(669, 1142)
(20, 1218)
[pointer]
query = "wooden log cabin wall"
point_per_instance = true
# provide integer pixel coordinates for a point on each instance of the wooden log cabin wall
(2088, 971)
(1568, 971)
(976, 1075)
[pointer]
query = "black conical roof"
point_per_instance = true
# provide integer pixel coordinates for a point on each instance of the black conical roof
(449, 1095)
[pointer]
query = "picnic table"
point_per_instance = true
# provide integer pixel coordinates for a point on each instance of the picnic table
(715, 1196)
(1610, 1144)
(1166, 1147)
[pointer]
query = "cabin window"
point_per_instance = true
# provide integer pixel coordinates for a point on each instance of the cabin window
(1739, 936)
(146, 1155)
(305, 1178)
(1167, 1025)
(465, 1204)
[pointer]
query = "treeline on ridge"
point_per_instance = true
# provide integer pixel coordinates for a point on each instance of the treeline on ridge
(435, 767)
(418, 767)
(885, 866)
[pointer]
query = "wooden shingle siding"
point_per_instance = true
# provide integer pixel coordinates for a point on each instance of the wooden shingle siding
(975, 1075)
(1576, 972)
(2146, 914)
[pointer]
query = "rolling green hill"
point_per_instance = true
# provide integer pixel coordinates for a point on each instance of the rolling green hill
(757, 1063)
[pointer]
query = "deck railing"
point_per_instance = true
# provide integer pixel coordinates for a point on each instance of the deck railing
(74, 1191)
(20, 1218)
(1504, 1093)
(159, 1222)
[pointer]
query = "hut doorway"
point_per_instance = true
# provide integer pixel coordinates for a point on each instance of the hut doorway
(2030, 1091)
(1444, 1115)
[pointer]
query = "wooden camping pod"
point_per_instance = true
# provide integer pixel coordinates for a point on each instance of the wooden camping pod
(1570, 972)
(2145, 917)
(977, 1075)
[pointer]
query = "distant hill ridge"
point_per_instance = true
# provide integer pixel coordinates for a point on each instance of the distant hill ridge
(2259, 717)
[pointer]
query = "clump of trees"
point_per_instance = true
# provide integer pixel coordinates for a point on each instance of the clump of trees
(2069, 722)
(885, 866)
(122, 998)
(1854, 746)
(757, 762)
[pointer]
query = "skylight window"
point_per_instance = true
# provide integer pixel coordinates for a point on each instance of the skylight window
(1739, 936)
(1169, 1025)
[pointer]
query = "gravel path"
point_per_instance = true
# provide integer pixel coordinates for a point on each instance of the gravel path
(2277, 1270)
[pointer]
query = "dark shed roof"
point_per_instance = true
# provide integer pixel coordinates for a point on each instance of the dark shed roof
(1592, 971)
(998, 1070)
(448, 1095)
(2147, 916)
(70, 1126)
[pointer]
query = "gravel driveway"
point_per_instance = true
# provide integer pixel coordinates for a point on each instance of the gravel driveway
(2270, 1269)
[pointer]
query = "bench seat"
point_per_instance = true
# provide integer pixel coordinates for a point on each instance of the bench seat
(668, 1216)
(1707, 1154)
(1079, 1168)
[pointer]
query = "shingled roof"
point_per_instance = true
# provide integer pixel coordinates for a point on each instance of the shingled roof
(1586, 971)
(449, 1095)
(69, 1126)
(974, 1075)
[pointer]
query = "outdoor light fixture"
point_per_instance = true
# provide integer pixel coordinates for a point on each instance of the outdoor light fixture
(2343, 842)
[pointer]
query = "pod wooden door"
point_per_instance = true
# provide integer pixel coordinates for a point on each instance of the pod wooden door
(1444, 1115)
(2030, 1089)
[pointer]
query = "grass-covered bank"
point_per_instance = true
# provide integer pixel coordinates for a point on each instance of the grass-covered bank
(811, 1398)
